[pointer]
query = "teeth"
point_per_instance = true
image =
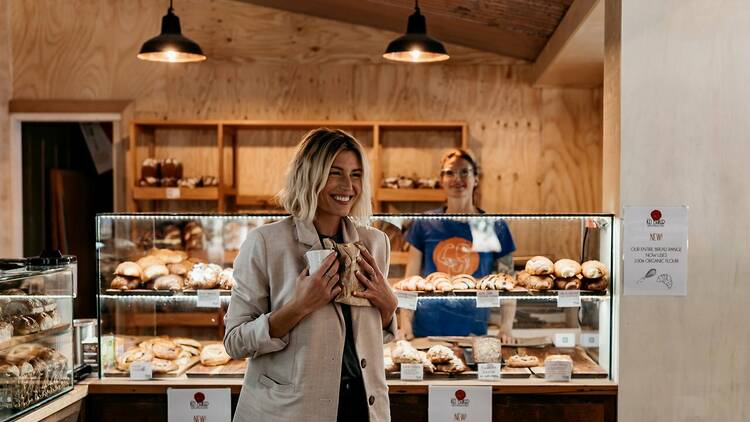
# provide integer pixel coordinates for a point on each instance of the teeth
(342, 198)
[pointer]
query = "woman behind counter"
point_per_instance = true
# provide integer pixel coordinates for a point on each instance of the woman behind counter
(446, 246)
(310, 358)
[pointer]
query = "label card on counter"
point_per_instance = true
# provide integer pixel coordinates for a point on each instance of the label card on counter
(488, 299)
(565, 340)
(590, 340)
(209, 298)
(459, 403)
(407, 300)
(140, 371)
(199, 404)
(568, 298)
(412, 372)
(489, 371)
(558, 370)
(173, 193)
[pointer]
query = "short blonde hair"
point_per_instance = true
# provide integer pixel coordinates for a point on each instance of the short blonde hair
(307, 174)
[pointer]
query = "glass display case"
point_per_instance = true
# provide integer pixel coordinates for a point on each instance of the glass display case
(36, 338)
(529, 287)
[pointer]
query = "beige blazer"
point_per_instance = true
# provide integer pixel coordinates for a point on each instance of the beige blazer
(297, 377)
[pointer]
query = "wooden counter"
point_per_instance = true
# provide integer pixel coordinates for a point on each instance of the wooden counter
(64, 408)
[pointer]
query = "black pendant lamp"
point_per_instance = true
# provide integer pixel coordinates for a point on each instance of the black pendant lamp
(171, 45)
(416, 46)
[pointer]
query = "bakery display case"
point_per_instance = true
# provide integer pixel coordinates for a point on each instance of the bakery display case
(36, 337)
(543, 291)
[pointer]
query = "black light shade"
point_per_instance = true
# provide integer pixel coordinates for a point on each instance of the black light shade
(416, 46)
(171, 45)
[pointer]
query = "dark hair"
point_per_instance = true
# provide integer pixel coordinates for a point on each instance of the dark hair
(461, 153)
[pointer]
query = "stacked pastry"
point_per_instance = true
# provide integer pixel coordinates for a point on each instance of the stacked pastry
(413, 182)
(437, 282)
(565, 274)
(437, 358)
(164, 269)
(31, 372)
(22, 314)
(446, 360)
(499, 281)
(165, 354)
(168, 173)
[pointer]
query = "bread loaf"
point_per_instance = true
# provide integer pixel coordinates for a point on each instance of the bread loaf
(539, 265)
(566, 268)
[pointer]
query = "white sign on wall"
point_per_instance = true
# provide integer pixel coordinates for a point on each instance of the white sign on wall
(459, 403)
(655, 246)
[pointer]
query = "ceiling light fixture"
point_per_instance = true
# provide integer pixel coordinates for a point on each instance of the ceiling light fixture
(416, 46)
(171, 45)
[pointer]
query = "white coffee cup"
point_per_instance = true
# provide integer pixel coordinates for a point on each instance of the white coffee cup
(315, 258)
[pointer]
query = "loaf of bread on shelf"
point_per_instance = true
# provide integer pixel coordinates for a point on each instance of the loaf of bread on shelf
(162, 366)
(168, 282)
(539, 265)
(596, 284)
(129, 269)
(539, 282)
(181, 268)
(570, 283)
(522, 361)
(135, 354)
(558, 358)
(440, 354)
(567, 268)
(187, 342)
(454, 366)
(125, 283)
(44, 320)
(169, 256)
(594, 269)
(152, 272)
(487, 350)
(148, 261)
(214, 355)
(404, 352)
(203, 276)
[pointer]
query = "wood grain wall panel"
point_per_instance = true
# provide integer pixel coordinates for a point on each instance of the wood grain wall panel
(415, 153)
(8, 246)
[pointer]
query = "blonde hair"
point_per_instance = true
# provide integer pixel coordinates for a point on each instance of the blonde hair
(308, 172)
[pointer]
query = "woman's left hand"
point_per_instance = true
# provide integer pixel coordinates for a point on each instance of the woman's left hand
(378, 291)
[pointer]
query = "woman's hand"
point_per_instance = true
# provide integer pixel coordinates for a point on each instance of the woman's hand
(318, 289)
(378, 291)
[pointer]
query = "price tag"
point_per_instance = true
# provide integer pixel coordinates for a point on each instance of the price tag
(173, 193)
(565, 340)
(407, 300)
(489, 371)
(412, 372)
(488, 299)
(140, 371)
(558, 370)
(590, 340)
(568, 298)
(209, 298)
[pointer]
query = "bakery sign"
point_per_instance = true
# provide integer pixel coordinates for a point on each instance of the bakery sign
(199, 405)
(655, 250)
(459, 403)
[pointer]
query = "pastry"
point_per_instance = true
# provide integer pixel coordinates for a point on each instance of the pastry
(8, 370)
(437, 276)
(154, 271)
(168, 282)
(409, 284)
(192, 350)
(423, 285)
(539, 265)
(522, 361)
(184, 357)
(558, 358)
(55, 316)
(169, 256)
(570, 283)
(128, 269)
(125, 283)
(348, 255)
(521, 278)
(192, 235)
(539, 282)
(487, 282)
(182, 342)
(505, 282)
(404, 352)
(440, 354)
(566, 268)
(20, 306)
(594, 269)
(203, 276)
(149, 260)
(6, 331)
(181, 268)
(49, 305)
(165, 350)
(595, 284)
(487, 350)
(226, 279)
(45, 321)
(135, 354)
(454, 366)
(163, 365)
(427, 364)
(214, 355)
(443, 286)
(463, 281)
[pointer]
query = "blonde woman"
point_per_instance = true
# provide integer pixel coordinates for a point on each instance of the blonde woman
(310, 358)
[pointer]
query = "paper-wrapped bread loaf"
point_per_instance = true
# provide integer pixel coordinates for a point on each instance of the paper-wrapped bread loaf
(348, 267)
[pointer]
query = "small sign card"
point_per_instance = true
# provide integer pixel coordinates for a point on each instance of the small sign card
(568, 298)
(565, 340)
(199, 405)
(140, 371)
(459, 403)
(209, 298)
(412, 372)
(173, 193)
(488, 299)
(558, 370)
(590, 340)
(407, 300)
(489, 371)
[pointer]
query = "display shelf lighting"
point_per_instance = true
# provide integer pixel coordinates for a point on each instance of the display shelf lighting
(171, 46)
(415, 46)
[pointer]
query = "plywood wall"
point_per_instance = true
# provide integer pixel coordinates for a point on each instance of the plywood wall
(8, 243)
(540, 149)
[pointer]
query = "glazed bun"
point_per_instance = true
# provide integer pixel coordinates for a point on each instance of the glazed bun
(539, 265)
(565, 268)
(594, 269)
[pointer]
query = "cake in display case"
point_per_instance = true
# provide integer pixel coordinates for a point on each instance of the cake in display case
(36, 337)
(516, 290)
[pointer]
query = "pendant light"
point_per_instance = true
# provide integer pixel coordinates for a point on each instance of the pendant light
(171, 45)
(416, 46)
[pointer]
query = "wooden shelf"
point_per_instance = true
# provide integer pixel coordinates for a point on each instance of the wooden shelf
(256, 200)
(30, 338)
(183, 194)
(410, 195)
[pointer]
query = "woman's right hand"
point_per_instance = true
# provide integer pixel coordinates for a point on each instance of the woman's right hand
(316, 290)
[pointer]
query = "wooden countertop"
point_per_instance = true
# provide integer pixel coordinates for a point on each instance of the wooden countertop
(59, 407)
(507, 386)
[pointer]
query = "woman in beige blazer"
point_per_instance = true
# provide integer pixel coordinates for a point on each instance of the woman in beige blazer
(310, 358)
